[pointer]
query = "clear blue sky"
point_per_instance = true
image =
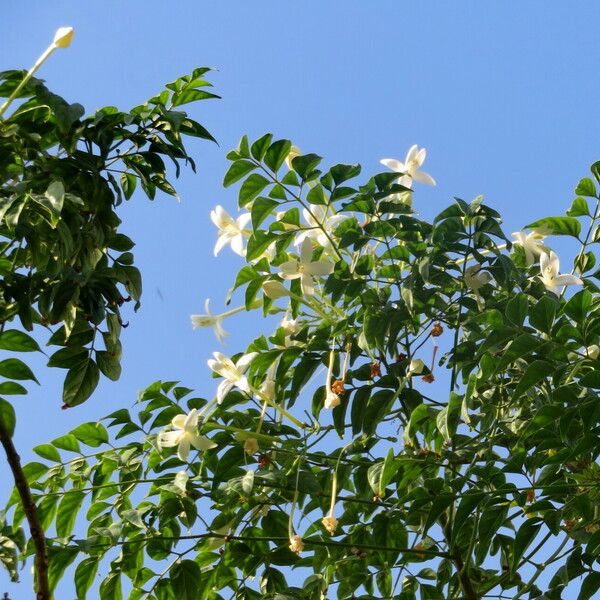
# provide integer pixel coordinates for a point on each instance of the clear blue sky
(504, 96)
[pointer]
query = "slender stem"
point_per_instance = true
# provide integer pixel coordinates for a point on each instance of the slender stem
(37, 532)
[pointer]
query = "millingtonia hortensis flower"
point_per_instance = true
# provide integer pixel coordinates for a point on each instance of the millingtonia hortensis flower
(549, 273)
(231, 231)
(305, 268)
(410, 168)
(184, 436)
(321, 226)
(532, 244)
(232, 373)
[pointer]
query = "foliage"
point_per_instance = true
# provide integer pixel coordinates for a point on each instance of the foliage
(65, 263)
(351, 451)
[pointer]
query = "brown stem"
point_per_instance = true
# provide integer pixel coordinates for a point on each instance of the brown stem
(37, 533)
(463, 577)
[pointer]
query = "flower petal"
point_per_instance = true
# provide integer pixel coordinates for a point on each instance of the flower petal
(319, 269)
(306, 251)
(201, 442)
(423, 177)
(244, 361)
(237, 244)
(191, 420)
(223, 390)
(567, 280)
(178, 421)
(393, 164)
(307, 284)
(412, 153)
(183, 450)
(168, 439)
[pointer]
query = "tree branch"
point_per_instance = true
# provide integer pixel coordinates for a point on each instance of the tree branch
(37, 533)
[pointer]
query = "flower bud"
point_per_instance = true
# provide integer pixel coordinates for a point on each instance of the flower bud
(63, 37)
(593, 351)
(416, 367)
(274, 289)
(251, 446)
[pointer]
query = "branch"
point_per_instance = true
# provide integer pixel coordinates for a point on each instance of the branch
(37, 533)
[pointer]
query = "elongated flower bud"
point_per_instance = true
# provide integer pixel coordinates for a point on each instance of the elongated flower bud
(63, 37)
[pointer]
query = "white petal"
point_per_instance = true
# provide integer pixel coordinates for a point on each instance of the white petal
(290, 269)
(207, 306)
(554, 263)
(243, 220)
(183, 450)
(544, 263)
(220, 332)
(307, 284)
(242, 384)
(319, 269)
(306, 251)
(222, 240)
(421, 156)
(201, 442)
(178, 421)
(412, 153)
(168, 439)
(567, 280)
(244, 361)
(237, 244)
(393, 164)
(192, 419)
(223, 390)
(333, 221)
(423, 177)
(406, 181)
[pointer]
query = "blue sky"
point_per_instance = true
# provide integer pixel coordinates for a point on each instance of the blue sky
(502, 94)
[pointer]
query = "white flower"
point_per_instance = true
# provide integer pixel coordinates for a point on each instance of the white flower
(232, 373)
(184, 436)
(274, 289)
(290, 326)
(416, 367)
(593, 351)
(267, 389)
(549, 268)
(321, 226)
(210, 320)
(475, 278)
(231, 231)
(415, 157)
(294, 151)
(532, 244)
(63, 37)
(305, 269)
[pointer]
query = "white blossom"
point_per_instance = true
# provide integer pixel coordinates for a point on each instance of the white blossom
(232, 373)
(475, 278)
(532, 244)
(410, 168)
(184, 436)
(549, 273)
(210, 320)
(63, 37)
(305, 268)
(321, 226)
(231, 231)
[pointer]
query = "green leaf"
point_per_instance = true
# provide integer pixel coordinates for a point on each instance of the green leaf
(305, 164)
(374, 475)
(516, 309)
(84, 576)
(260, 146)
(10, 388)
(13, 368)
(128, 183)
(110, 588)
(525, 536)
(17, 341)
(8, 419)
(56, 195)
(277, 153)
(590, 585)
(109, 365)
(261, 209)
(251, 188)
(541, 315)
(558, 226)
(237, 170)
(578, 306)
(586, 187)
(579, 208)
(185, 578)
(67, 512)
(48, 452)
(60, 558)
(67, 442)
(535, 372)
(91, 434)
(80, 382)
